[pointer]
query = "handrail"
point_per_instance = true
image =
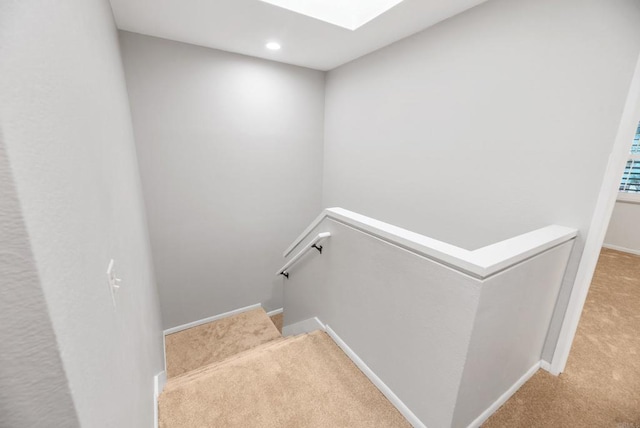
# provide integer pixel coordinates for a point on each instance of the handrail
(480, 263)
(312, 244)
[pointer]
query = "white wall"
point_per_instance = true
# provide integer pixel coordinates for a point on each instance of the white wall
(623, 233)
(230, 151)
(447, 344)
(510, 328)
(65, 122)
(34, 392)
(475, 129)
(409, 318)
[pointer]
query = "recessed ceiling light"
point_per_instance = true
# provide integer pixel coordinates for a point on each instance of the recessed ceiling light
(274, 46)
(349, 14)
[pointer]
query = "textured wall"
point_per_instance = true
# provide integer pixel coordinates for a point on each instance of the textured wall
(65, 122)
(230, 151)
(493, 123)
(34, 391)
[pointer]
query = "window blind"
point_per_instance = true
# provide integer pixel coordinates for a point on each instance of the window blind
(631, 178)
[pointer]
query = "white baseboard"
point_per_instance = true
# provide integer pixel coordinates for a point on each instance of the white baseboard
(164, 350)
(545, 365)
(504, 397)
(211, 319)
(159, 381)
(306, 326)
(623, 249)
(386, 391)
(275, 312)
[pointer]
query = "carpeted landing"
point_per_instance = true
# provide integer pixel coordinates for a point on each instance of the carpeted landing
(601, 383)
(221, 377)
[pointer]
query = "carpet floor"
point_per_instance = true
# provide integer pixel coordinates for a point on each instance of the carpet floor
(302, 381)
(215, 341)
(277, 321)
(601, 383)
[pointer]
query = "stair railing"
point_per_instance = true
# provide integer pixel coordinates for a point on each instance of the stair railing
(314, 243)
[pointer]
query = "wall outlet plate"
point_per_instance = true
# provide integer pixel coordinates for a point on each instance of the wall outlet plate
(113, 280)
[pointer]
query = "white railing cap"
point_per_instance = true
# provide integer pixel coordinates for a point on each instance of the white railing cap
(480, 263)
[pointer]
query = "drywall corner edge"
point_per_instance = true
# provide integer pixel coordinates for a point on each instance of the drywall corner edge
(599, 223)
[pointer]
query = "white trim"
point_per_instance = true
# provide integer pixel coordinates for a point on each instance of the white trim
(546, 366)
(211, 319)
(599, 223)
(480, 263)
(164, 350)
(386, 391)
(305, 326)
(504, 397)
(628, 198)
(623, 249)
(306, 232)
(275, 312)
(159, 382)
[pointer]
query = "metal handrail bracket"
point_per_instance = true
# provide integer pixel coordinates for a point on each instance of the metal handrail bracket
(314, 243)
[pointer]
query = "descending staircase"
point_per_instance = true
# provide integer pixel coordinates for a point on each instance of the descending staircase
(241, 372)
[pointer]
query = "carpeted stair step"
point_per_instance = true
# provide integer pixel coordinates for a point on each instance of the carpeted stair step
(191, 375)
(216, 341)
(302, 381)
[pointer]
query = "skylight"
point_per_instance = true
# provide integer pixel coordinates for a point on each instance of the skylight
(349, 14)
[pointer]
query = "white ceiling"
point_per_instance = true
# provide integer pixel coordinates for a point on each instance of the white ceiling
(244, 26)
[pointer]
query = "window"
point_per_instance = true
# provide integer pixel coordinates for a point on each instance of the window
(631, 179)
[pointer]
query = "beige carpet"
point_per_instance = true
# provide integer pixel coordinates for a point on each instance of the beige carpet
(216, 341)
(303, 381)
(277, 321)
(601, 384)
